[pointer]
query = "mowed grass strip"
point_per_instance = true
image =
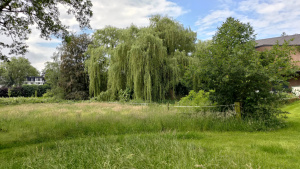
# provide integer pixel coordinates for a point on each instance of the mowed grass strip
(102, 135)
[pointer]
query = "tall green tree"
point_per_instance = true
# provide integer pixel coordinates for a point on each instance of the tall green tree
(148, 69)
(73, 76)
(51, 71)
(119, 68)
(191, 78)
(104, 41)
(14, 73)
(52, 76)
(237, 72)
(148, 60)
(16, 16)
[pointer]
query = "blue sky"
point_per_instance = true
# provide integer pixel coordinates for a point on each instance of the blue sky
(196, 9)
(269, 18)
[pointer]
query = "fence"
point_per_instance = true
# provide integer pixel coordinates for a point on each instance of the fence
(236, 107)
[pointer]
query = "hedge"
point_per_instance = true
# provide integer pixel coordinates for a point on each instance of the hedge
(25, 91)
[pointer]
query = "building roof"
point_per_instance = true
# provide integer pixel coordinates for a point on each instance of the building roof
(280, 40)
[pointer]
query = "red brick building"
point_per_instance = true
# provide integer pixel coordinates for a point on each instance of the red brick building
(266, 44)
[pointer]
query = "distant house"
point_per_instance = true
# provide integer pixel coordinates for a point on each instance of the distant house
(34, 80)
(267, 44)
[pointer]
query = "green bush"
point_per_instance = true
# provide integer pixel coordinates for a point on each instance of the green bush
(29, 90)
(17, 92)
(56, 92)
(124, 95)
(106, 96)
(24, 91)
(198, 99)
(41, 89)
(49, 93)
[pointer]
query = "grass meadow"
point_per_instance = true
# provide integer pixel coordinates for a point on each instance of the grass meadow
(114, 135)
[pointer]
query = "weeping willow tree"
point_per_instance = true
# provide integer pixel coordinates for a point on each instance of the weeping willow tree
(103, 44)
(175, 37)
(97, 69)
(118, 73)
(148, 61)
(148, 74)
(180, 43)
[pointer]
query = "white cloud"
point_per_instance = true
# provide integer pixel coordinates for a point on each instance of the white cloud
(213, 19)
(122, 13)
(118, 13)
(269, 18)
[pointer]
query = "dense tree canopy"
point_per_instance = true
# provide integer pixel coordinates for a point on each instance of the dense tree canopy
(162, 60)
(191, 77)
(16, 17)
(174, 35)
(14, 73)
(146, 61)
(73, 76)
(51, 71)
(237, 72)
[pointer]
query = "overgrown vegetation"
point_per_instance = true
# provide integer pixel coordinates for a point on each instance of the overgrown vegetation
(162, 62)
(122, 135)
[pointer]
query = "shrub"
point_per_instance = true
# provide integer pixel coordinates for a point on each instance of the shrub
(197, 99)
(24, 91)
(29, 90)
(49, 93)
(106, 96)
(4, 92)
(16, 92)
(125, 95)
(35, 90)
(41, 89)
(56, 92)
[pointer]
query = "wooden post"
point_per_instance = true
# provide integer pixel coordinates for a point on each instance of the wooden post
(237, 107)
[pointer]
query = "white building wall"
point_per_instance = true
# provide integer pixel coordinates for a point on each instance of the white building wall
(37, 81)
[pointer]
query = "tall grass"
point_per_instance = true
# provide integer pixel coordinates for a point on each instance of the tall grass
(103, 135)
(37, 123)
(26, 100)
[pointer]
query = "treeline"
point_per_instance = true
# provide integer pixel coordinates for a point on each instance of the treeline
(141, 63)
(164, 61)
